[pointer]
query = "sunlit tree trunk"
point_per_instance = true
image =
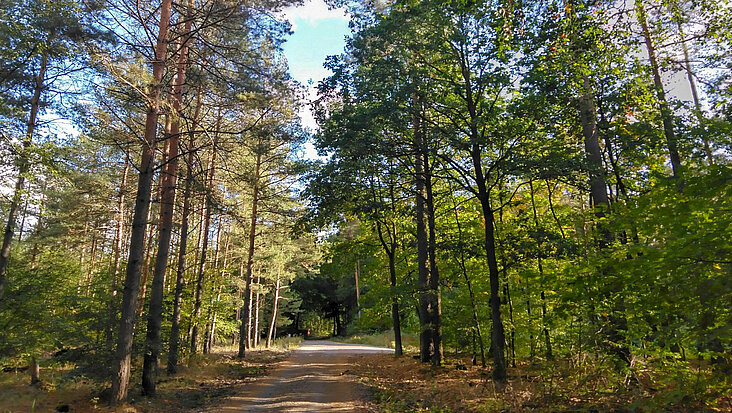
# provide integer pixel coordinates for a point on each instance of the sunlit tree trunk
(118, 245)
(122, 360)
(273, 323)
(246, 309)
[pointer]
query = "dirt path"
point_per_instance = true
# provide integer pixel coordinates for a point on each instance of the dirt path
(315, 378)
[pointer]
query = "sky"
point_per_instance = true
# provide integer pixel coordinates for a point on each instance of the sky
(318, 32)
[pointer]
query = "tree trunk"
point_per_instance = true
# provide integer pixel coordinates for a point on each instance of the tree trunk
(498, 338)
(273, 323)
(545, 327)
(678, 16)
(425, 322)
(204, 246)
(435, 291)
(463, 268)
(35, 371)
(122, 361)
(398, 350)
(358, 292)
(168, 178)
(196, 315)
(23, 168)
(248, 312)
(183, 248)
(255, 332)
(666, 114)
(601, 203)
(246, 309)
(118, 240)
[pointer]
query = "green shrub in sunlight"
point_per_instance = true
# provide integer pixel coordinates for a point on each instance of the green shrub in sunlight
(45, 310)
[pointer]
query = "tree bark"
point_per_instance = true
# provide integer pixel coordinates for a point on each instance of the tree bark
(246, 309)
(255, 331)
(168, 178)
(273, 323)
(498, 338)
(118, 241)
(666, 114)
(601, 203)
(23, 168)
(122, 361)
(434, 282)
(423, 286)
(463, 268)
(545, 327)
(183, 248)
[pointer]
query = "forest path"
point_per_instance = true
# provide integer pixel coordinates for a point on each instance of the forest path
(315, 378)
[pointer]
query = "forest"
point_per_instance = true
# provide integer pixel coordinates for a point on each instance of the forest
(526, 189)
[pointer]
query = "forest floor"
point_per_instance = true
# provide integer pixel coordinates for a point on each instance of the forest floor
(406, 385)
(205, 381)
(324, 376)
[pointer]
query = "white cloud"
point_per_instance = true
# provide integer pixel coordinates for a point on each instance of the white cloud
(312, 12)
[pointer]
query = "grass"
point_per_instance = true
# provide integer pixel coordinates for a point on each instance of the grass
(204, 380)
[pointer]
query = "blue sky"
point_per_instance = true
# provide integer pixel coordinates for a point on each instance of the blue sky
(318, 32)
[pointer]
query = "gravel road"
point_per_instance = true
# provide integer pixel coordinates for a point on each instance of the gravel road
(315, 378)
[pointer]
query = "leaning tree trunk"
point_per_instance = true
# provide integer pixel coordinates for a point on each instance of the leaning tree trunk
(23, 168)
(666, 114)
(273, 323)
(246, 308)
(123, 360)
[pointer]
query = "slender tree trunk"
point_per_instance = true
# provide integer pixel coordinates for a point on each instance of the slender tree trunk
(434, 283)
(246, 309)
(544, 325)
(118, 240)
(146, 264)
(273, 323)
(398, 349)
(356, 274)
(195, 317)
(35, 371)
(23, 168)
(676, 10)
(598, 194)
(122, 361)
(22, 219)
(498, 337)
(256, 317)
(473, 305)
(666, 114)
(423, 286)
(183, 248)
(204, 247)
